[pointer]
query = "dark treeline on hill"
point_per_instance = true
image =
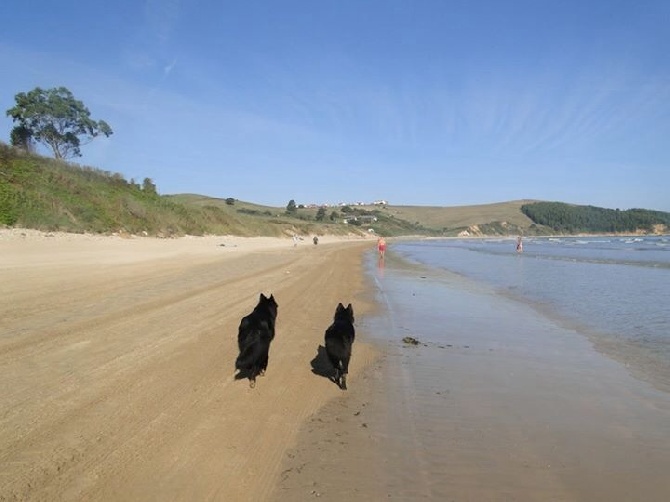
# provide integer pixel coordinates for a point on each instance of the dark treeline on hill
(567, 218)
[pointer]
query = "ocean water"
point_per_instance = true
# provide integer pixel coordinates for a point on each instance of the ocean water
(613, 289)
(537, 374)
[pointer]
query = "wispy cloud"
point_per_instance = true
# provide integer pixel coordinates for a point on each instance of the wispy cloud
(168, 68)
(149, 45)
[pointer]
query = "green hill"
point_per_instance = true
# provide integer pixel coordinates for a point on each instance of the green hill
(47, 194)
(570, 218)
(50, 195)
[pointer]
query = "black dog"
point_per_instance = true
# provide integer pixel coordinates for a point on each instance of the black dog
(256, 332)
(339, 339)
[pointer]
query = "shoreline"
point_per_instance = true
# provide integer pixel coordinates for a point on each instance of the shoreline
(643, 364)
(118, 358)
(498, 402)
(495, 402)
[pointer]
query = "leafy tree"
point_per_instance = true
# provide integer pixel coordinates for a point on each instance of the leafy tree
(21, 137)
(333, 216)
(321, 214)
(230, 201)
(291, 207)
(149, 187)
(56, 119)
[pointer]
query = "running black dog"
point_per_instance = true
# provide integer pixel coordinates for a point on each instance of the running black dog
(256, 332)
(339, 339)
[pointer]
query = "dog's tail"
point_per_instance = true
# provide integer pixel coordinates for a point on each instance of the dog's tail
(247, 357)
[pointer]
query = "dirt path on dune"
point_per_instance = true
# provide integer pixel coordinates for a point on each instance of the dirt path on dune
(118, 383)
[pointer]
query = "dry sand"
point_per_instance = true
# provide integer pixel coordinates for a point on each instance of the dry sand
(117, 358)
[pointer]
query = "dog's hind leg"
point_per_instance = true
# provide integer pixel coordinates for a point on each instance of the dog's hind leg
(263, 366)
(253, 373)
(341, 376)
(344, 372)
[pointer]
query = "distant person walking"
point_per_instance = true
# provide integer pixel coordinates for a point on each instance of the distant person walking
(519, 245)
(381, 247)
(316, 240)
(295, 240)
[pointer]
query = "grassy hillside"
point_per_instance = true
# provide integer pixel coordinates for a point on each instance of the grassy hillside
(498, 218)
(359, 220)
(46, 194)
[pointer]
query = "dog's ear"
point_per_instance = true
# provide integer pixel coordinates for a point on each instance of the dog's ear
(340, 307)
(272, 298)
(350, 309)
(262, 297)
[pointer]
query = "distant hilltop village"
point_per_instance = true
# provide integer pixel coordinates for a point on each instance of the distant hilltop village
(380, 202)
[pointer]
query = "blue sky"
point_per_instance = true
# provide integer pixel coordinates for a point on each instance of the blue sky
(422, 102)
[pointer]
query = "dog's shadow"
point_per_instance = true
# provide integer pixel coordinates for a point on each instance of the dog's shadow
(321, 365)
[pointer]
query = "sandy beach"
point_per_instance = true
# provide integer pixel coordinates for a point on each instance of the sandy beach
(117, 358)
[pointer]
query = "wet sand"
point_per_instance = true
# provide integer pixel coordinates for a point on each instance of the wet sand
(496, 403)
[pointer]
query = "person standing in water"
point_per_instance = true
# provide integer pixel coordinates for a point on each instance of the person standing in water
(381, 247)
(519, 245)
